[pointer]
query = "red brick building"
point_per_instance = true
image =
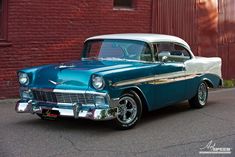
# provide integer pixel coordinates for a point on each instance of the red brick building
(34, 32)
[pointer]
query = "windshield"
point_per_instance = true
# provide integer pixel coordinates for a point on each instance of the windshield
(117, 50)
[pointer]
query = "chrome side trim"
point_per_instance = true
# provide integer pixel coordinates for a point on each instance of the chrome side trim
(158, 79)
(174, 79)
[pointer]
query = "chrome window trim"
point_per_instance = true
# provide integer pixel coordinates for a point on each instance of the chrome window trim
(191, 55)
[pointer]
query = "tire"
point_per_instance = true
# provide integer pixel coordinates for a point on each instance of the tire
(129, 111)
(200, 99)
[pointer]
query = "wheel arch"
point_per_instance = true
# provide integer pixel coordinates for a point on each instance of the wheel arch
(208, 82)
(141, 95)
(213, 82)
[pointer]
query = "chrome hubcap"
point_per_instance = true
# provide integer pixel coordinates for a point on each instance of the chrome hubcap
(127, 110)
(202, 94)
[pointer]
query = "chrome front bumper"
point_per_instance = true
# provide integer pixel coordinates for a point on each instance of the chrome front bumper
(76, 110)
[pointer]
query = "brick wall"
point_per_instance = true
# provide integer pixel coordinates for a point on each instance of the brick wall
(42, 32)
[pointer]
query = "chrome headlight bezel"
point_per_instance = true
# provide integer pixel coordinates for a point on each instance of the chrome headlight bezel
(98, 82)
(23, 78)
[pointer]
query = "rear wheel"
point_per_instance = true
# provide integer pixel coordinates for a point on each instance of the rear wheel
(129, 111)
(200, 99)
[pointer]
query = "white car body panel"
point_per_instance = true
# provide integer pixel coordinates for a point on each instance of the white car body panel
(203, 65)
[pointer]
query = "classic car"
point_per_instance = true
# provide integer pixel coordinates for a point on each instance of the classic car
(118, 77)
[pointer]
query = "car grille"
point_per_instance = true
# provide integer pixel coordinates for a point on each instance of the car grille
(56, 97)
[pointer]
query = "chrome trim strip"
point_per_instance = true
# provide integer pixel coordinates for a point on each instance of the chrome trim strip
(61, 91)
(149, 78)
(159, 79)
(60, 103)
(70, 91)
(170, 80)
(96, 93)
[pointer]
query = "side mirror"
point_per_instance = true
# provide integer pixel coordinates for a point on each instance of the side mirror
(164, 59)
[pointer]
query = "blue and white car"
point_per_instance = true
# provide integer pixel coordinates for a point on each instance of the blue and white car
(118, 78)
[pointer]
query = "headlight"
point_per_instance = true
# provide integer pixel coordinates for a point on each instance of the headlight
(98, 82)
(23, 78)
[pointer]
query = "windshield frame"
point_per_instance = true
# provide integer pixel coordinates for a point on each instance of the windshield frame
(149, 45)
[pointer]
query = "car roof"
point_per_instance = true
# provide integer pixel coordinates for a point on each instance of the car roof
(146, 37)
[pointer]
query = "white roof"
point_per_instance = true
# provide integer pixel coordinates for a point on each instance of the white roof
(143, 37)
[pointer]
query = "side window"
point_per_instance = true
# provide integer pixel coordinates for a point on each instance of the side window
(146, 55)
(171, 52)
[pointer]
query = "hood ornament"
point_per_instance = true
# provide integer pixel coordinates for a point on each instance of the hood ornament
(64, 66)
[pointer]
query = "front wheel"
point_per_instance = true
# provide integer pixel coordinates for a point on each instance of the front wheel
(200, 99)
(129, 111)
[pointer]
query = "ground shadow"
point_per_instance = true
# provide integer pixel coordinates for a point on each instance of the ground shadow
(172, 110)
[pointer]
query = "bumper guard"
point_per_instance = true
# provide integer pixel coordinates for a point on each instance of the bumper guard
(76, 111)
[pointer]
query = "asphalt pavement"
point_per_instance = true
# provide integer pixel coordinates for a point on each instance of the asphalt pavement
(175, 131)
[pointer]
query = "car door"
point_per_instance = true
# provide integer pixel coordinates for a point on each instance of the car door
(170, 85)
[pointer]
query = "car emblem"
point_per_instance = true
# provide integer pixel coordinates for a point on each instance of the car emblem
(55, 83)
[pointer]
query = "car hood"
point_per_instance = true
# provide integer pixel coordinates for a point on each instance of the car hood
(77, 74)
